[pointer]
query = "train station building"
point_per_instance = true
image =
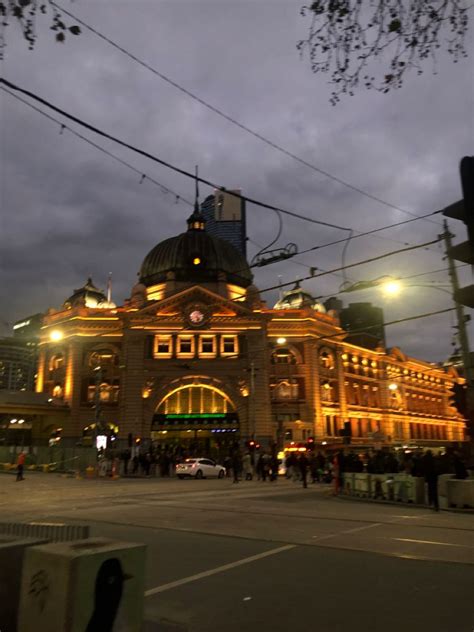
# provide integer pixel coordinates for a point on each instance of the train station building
(195, 356)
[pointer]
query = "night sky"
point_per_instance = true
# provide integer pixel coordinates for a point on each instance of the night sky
(68, 211)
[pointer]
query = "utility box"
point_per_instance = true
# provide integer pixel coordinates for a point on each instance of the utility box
(83, 586)
(12, 550)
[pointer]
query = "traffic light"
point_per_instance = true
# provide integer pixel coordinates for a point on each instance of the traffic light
(464, 211)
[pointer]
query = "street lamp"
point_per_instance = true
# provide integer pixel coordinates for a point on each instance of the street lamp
(281, 340)
(56, 335)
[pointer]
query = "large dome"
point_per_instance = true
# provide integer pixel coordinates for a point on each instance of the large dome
(195, 256)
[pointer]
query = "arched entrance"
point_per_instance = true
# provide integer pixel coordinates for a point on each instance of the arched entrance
(196, 417)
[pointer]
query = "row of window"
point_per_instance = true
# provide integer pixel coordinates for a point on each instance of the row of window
(188, 345)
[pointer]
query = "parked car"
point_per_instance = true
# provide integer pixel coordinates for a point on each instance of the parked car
(200, 468)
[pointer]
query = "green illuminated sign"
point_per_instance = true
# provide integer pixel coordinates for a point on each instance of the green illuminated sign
(196, 416)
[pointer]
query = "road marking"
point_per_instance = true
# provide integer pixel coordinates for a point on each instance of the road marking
(369, 526)
(462, 546)
(219, 569)
(346, 531)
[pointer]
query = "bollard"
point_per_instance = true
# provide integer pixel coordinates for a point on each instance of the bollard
(12, 550)
(90, 471)
(115, 469)
(95, 584)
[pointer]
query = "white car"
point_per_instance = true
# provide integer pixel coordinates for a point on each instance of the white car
(199, 468)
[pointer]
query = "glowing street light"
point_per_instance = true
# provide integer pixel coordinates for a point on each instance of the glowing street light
(56, 335)
(281, 340)
(392, 287)
(393, 386)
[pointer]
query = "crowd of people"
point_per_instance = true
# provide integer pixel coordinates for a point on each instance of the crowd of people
(301, 466)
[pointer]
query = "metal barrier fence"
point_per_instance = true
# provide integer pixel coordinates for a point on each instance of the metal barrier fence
(52, 531)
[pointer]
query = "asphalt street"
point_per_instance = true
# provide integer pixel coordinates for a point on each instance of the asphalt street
(271, 556)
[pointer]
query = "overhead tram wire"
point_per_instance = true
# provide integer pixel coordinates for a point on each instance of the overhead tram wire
(160, 161)
(393, 322)
(142, 175)
(177, 195)
(207, 182)
(234, 121)
(352, 265)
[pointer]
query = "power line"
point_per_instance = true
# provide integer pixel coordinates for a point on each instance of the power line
(371, 232)
(352, 265)
(232, 120)
(393, 322)
(183, 172)
(142, 175)
(207, 182)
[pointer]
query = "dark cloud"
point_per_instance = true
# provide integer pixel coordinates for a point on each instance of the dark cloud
(69, 211)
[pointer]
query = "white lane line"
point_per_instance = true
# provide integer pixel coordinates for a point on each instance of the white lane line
(346, 531)
(219, 569)
(462, 546)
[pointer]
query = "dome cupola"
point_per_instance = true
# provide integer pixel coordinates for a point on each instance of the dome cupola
(297, 298)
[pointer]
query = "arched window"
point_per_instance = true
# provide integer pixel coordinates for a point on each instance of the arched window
(326, 360)
(104, 358)
(195, 398)
(56, 362)
(283, 355)
(286, 390)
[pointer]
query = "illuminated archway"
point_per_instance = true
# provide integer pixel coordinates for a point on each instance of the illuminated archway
(195, 399)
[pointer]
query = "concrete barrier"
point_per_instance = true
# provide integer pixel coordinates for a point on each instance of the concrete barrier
(442, 490)
(363, 485)
(409, 489)
(460, 493)
(50, 531)
(348, 483)
(12, 550)
(95, 584)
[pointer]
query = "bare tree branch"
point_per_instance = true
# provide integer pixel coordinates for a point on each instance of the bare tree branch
(345, 36)
(25, 13)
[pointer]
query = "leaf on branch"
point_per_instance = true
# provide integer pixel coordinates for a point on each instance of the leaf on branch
(60, 37)
(75, 30)
(395, 26)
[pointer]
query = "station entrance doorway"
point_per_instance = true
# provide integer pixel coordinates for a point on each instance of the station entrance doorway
(197, 420)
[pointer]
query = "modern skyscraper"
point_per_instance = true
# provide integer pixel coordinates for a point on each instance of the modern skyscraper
(225, 218)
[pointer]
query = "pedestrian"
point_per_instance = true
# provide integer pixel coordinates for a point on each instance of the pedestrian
(21, 466)
(460, 470)
(303, 467)
(247, 466)
(265, 466)
(136, 463)
(274, 463)
(259, 466)
(430, 472)
(236, 465)
(313, 468)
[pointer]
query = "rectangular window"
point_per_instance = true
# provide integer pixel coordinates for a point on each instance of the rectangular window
(163, 346)
(207, 346)
(185, 346)
(229, 345)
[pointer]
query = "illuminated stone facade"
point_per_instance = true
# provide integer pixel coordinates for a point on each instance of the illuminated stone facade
(194, 354)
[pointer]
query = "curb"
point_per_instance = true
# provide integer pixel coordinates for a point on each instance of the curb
(376, 501)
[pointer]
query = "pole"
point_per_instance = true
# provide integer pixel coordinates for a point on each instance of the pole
(461, 318)
(97, 412)
(252, 401)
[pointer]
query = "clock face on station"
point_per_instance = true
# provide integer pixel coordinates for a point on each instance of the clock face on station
(196, 315)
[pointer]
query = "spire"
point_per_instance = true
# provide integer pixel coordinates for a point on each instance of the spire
(109, 288)
(196, 199)
(196, 221)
